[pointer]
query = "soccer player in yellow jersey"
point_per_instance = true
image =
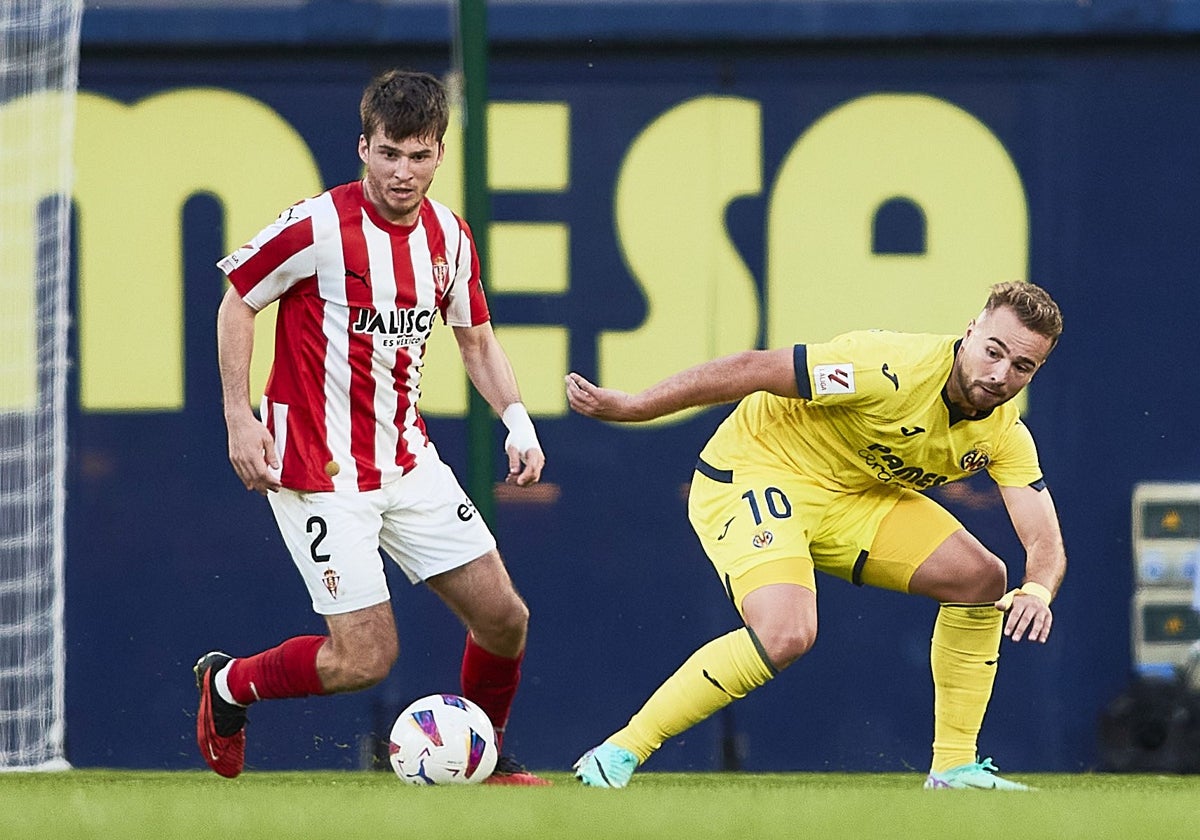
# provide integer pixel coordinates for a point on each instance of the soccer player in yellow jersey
(822, 465)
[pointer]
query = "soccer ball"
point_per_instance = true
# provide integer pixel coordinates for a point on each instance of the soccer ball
(442, 739)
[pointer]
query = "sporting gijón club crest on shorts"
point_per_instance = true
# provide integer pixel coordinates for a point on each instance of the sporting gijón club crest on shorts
(357, 300)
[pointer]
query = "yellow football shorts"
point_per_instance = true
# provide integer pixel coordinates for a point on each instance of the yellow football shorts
(760, 526)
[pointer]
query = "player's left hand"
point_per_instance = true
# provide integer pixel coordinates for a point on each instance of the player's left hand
(1028, 616)
(524, 468)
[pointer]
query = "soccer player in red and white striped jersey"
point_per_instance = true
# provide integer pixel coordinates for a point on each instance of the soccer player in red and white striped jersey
(360, 274)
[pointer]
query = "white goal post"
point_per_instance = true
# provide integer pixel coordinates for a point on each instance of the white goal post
(39, 71)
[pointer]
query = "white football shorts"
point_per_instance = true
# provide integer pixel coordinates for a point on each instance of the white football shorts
(424, 521)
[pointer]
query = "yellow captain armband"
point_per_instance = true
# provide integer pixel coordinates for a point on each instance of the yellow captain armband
(1030, 588)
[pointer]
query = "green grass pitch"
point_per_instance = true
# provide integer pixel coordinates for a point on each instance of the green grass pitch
(117, 804)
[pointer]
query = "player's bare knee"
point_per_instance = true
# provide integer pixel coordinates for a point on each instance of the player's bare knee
(518, 618)
(371, 669)
(785, 644)
(979, 578)
(968, 574)
(991, 578)
(356, 664)
(503, 631)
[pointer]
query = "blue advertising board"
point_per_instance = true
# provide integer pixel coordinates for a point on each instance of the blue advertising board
(652, 207)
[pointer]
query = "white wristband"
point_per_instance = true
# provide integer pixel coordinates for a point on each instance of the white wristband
(520, 429)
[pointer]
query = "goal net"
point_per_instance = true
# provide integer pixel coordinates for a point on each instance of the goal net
(39, 69)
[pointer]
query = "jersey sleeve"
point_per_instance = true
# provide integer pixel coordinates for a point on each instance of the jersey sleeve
(1015, 463)
(277, 258)
(464, 304)
(848, 370)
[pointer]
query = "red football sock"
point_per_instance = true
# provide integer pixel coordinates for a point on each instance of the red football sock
(288, 670)
(491, 682)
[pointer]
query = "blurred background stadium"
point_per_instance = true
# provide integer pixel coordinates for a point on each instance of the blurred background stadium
(668, 181)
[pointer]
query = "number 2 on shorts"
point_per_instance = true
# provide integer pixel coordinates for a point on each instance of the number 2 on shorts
(316, 523)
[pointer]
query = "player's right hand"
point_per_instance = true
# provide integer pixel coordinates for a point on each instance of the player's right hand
(602, 403)
(252, 454)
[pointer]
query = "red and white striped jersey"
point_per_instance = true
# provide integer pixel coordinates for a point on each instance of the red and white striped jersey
(357, 297)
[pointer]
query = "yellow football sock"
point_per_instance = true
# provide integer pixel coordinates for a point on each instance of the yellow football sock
(963, 657)
(723, 670)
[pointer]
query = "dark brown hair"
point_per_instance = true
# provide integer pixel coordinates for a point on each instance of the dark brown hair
(405, 104)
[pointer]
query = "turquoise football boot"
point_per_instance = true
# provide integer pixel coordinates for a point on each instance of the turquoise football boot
(980, 775)
(606, 766)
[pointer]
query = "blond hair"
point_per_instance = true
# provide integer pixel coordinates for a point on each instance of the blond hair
(1032, 305)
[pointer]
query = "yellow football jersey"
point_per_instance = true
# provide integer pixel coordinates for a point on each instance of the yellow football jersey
(873, 409)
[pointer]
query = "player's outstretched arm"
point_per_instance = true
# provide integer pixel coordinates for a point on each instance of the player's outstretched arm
(1036, 523)
(722, 380)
